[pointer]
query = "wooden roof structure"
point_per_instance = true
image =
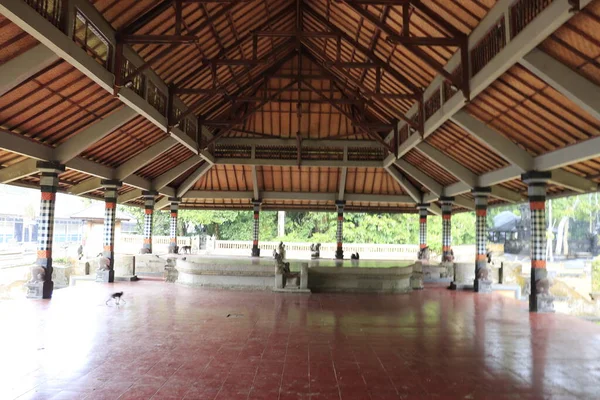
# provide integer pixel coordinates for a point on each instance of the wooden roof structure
(299, 103)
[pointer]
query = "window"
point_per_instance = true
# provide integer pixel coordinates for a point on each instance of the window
(92, 40)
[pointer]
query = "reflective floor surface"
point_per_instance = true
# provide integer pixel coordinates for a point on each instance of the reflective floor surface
(172, 342)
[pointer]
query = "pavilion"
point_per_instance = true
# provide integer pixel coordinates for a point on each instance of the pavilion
(425, 106)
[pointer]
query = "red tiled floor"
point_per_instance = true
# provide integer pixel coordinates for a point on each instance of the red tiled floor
(173, 342)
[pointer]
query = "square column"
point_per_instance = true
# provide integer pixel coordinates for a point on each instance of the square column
(447, 253)
(482, 283)
(423, 211)
(256, 229)
(106, 272)
(41, 284)
(149, 201)
(173, 248)
(540, 299)
(339, 252)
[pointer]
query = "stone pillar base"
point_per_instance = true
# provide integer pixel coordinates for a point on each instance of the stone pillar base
(541, 303)
(145, 250)
(35, 290)
(482, 286)
(278, 281)
(173, 249)
(339, 254)
(255, 252)
(416, 281)
(304, 276)
(106, 276)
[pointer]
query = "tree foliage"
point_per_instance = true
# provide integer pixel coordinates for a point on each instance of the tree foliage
(380, 228)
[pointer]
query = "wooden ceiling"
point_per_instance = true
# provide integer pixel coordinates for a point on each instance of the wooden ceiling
(296, 97)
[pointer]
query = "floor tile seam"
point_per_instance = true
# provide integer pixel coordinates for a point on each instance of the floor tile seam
(287, 345)
(228, 373)
(166, 380)
(256, 373)
(387, 375)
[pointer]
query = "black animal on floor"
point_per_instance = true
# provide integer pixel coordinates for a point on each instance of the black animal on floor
(355, 256)
(117, 297)
(186, 250)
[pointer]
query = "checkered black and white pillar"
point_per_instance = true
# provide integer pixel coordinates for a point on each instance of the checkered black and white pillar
(256, 230)
(447, 255)
(422, 225)
(173, 248)
(540, 299)
(48, 185)
(483, 282)
(149, 201)
(339, 252)
(111, 188)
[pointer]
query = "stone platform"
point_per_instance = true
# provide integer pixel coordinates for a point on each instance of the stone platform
(367, 276)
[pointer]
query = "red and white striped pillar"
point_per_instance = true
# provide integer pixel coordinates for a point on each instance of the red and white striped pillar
(423, 210)
(111, 188)
(173, 248)
(256, 230)
(447, 203)
(149, 201)
(540, 299)
(339, 252)
(48, 186)
(483, 282)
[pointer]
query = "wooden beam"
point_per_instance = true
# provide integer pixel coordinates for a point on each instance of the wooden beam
(408, 187)
(19, 69)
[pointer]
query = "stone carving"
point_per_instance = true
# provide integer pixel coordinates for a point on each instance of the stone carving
(35, 286)
(171, 274)
(448, 256)
(38, 274)
(355, 256)
(281, 249)
(103, 270)
(315, 251)
(283, 276)
(424, 254)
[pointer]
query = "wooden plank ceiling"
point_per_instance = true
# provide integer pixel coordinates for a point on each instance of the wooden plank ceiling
(248, 74)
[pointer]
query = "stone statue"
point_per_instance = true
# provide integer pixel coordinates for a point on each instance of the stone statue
(103, 271)
(355, 256)
(282, 250)
(424, 254)
(35, 286)
(283, 275)
(281, 266)
(38, 274)
(315, 251)
(448, 256)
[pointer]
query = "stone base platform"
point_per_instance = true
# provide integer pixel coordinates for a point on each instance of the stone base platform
(323, 275)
